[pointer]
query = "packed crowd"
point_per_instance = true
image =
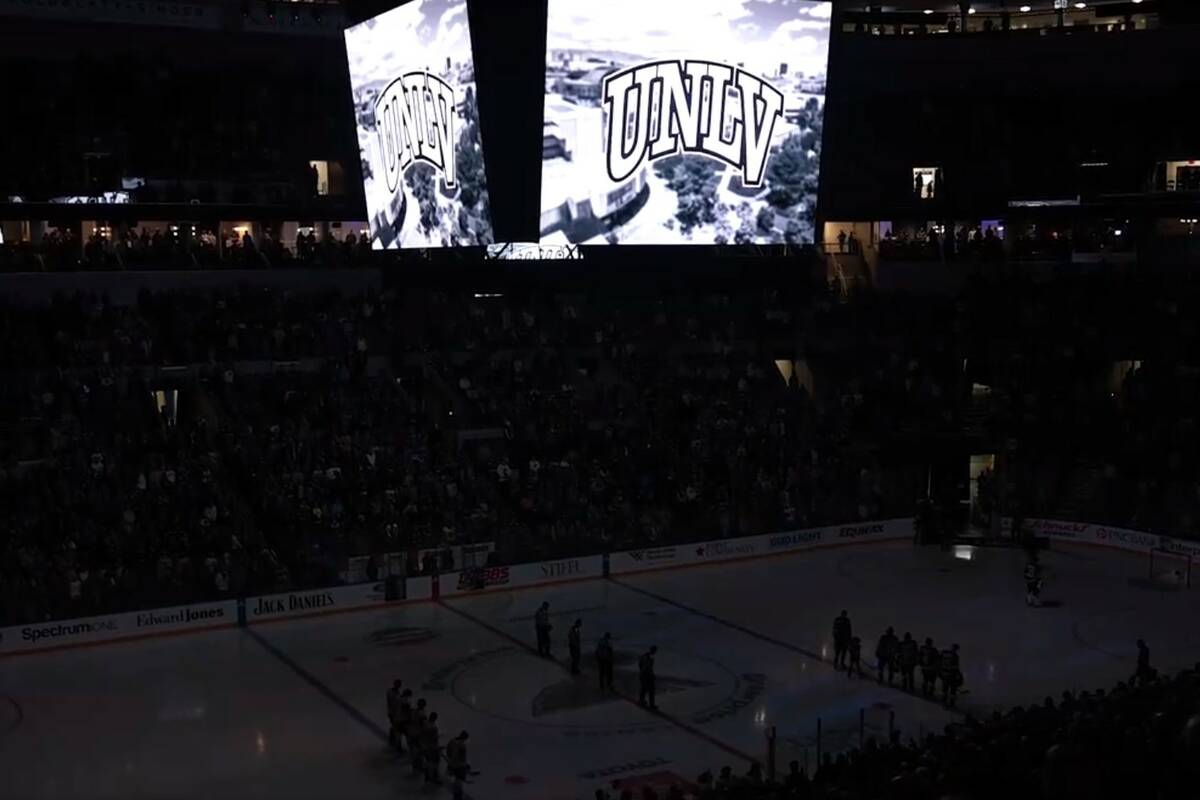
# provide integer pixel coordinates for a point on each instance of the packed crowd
(965, 243)
(179, 247)
(121, 479)
(308, 428)
(1138, 739)
(267, 436)
(87, 330)
(112, 502)
(991, 242)
(1100, 373)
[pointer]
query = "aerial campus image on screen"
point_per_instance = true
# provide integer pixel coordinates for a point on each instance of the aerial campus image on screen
(684, 170)
(412, 77)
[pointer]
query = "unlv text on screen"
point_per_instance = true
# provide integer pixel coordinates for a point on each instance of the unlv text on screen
(415, 118)
(663, 108)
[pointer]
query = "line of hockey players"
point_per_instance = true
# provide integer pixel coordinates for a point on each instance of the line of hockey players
(904, 656)
(413, 729)
(605, 657)
(892, 655)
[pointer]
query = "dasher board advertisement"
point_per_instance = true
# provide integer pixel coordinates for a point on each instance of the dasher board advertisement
(412, 77)
(683, 121)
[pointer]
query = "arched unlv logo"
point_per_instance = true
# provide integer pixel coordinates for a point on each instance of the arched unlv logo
(414, 117)
(663, 108)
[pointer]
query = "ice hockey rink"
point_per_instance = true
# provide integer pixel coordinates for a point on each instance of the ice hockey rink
(296, 709)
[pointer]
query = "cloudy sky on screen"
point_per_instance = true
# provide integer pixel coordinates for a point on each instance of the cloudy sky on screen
(760, 33)
(417, 35)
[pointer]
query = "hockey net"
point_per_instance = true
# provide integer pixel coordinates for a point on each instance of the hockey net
(1169, 569)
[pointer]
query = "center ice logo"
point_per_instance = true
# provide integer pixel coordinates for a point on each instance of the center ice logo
(663, 108)
(414, 118)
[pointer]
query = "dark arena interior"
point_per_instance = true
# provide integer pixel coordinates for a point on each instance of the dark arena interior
(614, 399)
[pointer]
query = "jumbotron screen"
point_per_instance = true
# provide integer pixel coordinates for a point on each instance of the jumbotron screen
(683, 121)
(412, 76)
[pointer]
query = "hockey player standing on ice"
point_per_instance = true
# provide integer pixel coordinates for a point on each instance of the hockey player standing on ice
(404, 715)
(604, 661)
(951, 675)
(908, 657)
(541, 623)
(574, 644)
(931, 661)
(431, 746)
(456, 762)
(1033, 581)
(854, 669)
(646, 679)
(885, 655)
(842, 634)
(1035, 592)
(416, 735)
(1145, 672)
(393, 707)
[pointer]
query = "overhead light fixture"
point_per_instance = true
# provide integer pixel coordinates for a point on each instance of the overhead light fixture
(928, 11)
(1081, 5)
(1026, 9)
(971, 10)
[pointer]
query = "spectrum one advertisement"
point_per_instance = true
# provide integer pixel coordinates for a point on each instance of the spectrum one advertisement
(413, 81)
(683, 121)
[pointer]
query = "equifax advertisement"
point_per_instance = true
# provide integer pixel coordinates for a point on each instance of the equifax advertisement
(683, 121)
(412, 76)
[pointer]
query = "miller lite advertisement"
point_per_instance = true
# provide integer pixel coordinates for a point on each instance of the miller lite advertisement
(412, 77)
(683, 121)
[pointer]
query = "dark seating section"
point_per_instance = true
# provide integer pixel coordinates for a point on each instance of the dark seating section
(1129, 741)
(162, 248)
(207, 443)
(303, 429)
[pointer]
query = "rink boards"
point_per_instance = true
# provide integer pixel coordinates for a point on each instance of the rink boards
(265, 609)
(1094, 535)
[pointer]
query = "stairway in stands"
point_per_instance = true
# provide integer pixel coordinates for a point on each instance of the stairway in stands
(849, 271)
